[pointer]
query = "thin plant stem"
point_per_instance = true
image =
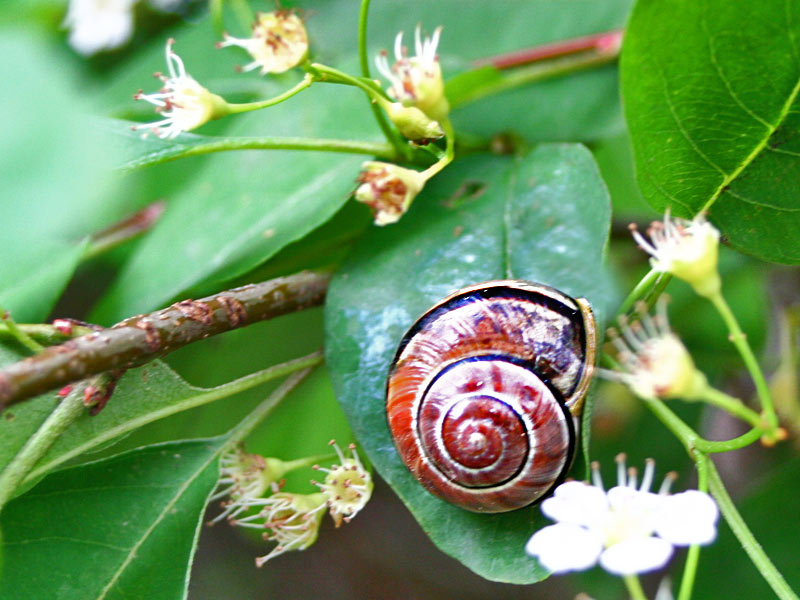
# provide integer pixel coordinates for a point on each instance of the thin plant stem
(449, 153)
(634, 587)
(215, 10)
(18, 334)
(44, 333)
(378, 149)
(731, 405)
(693, 554)
(714, 447)
(751, 546)
(306, 82)
(244, 14)
(363, 59)
(253, 420)
(69, 409)
(639, 291)
(739, 340)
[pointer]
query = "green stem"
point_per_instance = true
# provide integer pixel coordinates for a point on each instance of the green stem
(693, 555)
(223, 391)
(449, 153)
(215, 10)
(244, 14)
(751, 546)
(363, 59)
(378, 149)
(253, 420)
(731, 405)
(373, 92)
(69, 409)
(18, 334)
(739, 340)
(43, 333)
(712, 447)
(306, 82)
(634, 587)
(639, 291)
(539, 71)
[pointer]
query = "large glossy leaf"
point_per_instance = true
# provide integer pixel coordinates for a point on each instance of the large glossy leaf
(49, 161)
(543, 218)
(711, 98)
(124, 527)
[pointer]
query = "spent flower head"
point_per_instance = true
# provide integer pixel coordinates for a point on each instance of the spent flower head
(244, 479)
(416, 80)
(689, 250)
(347, 486)
(97, 25)
(183, 103)
(291, 520)
(628, 529)
(388, 190)
(655, 363)
(279, 42)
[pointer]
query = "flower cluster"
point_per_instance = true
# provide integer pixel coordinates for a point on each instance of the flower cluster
(255, 499)
(279, 42)
(627, 529)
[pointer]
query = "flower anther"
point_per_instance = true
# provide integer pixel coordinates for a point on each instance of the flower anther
(97, 25)
(183, 103)
(627, 529)
(347, 486)
(416, 80)
(689, 250)
(279, 42)
(655, 363)
(388, 190)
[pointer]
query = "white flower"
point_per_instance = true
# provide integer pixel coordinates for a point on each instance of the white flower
(656, 363)
(184, 103)
(292, 520)
(347, 486)
(97, 25)
(416, 80)
(279, 42)
(688, 250)
(627, 529)
(388, 190)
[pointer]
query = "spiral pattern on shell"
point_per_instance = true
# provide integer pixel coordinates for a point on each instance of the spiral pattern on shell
(485, 390)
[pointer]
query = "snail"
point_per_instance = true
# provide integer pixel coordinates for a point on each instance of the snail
(485, 393)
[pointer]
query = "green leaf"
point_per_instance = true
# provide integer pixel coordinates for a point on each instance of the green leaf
(710, 130)
(51, 169)
(543, 218)
(117, 528)
(143, 396)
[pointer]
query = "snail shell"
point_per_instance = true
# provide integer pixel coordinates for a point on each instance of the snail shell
(485, 392)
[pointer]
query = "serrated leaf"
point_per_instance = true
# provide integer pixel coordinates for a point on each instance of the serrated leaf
(710, 130)
(123, 527)
(543, 218)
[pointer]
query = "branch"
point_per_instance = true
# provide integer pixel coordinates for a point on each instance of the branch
(138, 340)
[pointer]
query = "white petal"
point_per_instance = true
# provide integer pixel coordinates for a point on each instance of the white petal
(576, 502)
(687, 518)
(636, 555)
(565, 547)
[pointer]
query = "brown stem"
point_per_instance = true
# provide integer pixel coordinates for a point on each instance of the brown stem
(138, 340)
(125, 230)
(606, 42)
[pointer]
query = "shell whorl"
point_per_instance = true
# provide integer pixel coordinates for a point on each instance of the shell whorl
(484, 389)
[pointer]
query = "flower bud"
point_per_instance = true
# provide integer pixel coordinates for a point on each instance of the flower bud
(412, 123)
(279, 42)
(388, 190)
